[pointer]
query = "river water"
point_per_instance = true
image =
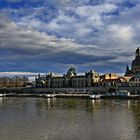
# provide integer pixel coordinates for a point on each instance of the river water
(69, 119)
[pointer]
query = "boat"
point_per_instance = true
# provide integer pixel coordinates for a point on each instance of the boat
(94, 96)
(118, 93)
(123, 93)
(2, 94)
(49, 95)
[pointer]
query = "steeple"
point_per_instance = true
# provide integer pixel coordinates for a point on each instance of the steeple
(137, 54)
(127, 70)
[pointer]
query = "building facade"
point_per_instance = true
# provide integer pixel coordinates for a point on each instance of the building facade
(69, 80)
(134, 81)
(112, 80)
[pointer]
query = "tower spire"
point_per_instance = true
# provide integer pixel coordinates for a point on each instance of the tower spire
(127, 70)
(137, 52)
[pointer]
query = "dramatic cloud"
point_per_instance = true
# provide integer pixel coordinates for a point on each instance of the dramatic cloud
(43, 36)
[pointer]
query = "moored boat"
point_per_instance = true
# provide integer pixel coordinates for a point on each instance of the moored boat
(123, 93)
(119, 93)
(2, 94)
(94, 96)
(49, 95)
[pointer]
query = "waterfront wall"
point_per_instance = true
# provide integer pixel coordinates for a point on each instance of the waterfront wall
(92, 89)
(67, 90)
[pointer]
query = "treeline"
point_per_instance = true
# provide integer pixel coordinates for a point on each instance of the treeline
(13, 82)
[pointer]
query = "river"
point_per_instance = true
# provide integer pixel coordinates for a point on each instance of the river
(69, 119)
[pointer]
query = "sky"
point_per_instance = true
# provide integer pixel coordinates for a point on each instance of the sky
(54, 35)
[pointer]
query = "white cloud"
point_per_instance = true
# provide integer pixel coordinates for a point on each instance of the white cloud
(121, 33)
(99, 9)
(18, 73)
(73, 3)
(90, 18)
(83, 31)
(93, 15)
(27, 39)
(60, 22)
(121, 1)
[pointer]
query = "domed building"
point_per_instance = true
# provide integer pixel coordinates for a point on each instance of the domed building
(135, 67)
(71, 72)
(69, 80)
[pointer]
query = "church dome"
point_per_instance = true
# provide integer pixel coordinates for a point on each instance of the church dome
(71, 72)
(136, 62)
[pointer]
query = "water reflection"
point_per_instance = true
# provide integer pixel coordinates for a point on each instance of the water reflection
(1, 100)
(67, 119)
(135, 108)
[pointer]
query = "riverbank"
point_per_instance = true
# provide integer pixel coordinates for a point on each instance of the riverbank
(101, 90)
(62, 95)
(130, 97)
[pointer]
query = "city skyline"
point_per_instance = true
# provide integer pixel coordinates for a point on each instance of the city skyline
(52, 36)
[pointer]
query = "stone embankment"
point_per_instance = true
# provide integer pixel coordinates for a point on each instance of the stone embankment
(102, 90)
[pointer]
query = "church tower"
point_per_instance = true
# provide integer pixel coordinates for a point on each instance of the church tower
(137, 54)
(127, 70)
(136, 62)
(135, 66)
